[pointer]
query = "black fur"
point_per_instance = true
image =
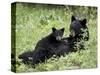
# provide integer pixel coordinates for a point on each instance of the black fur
(78, 32)
(46, 48)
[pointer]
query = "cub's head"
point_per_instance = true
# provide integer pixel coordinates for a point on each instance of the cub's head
(57, 33)
(78, 27)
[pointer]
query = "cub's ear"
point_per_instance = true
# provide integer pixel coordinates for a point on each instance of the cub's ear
(83, 22)
(54, 29)
(73, 18)
(62, 29)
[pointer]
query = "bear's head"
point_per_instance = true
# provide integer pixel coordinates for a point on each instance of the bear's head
(78, 28)
(57, 33)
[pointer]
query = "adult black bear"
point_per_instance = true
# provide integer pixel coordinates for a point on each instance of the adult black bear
(46, 48)
(79, 28)
(78, 32)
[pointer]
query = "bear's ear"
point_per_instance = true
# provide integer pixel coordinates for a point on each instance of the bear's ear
(53, 29)
(73, 18)
(62, 29)
(83, 22)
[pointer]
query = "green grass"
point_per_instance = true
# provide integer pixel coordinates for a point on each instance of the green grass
(34, 22)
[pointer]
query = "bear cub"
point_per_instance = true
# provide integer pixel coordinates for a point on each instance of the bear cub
(45, 48)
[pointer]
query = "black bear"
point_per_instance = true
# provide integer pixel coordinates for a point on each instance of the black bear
(45, 48)
(78, 32)
(79, 28)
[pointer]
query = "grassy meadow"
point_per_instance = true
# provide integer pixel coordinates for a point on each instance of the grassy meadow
(35, 21)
